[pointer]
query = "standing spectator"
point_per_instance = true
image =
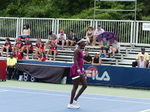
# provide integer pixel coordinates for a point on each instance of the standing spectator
(97, 32)
(61, 39)
(7, 47)
(89, 35)
(11, 65)
(51, 37)
(87, 58)
(18, 44)
(39, 46)
(41, 56)
(71, 39)
(25, 32)
(96, 60)
(141, 62)
(27, 47)
(52, 49)
(104, 44)
(146, 57)
(115, 47)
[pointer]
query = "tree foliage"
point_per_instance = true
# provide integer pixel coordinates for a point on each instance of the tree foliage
(72, 9)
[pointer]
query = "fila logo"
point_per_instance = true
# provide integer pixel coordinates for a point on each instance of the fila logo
(105, 76)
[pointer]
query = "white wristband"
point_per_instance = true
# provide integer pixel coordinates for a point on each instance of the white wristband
(78, 71)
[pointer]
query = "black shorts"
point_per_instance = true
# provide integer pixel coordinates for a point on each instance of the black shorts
(10, 50)
(60, 43)
(30, 51)
(104, 48)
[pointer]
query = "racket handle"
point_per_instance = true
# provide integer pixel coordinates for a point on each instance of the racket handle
(75, 77)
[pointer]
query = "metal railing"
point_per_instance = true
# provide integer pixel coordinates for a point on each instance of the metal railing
(127, 31)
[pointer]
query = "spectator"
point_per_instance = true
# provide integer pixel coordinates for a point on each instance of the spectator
(89, 35)
(71, 39)
(27, 47)
(52, 50)
(87, 58)
(115, 48)
(51, 37)
(19, 54)
(11, 65)
(41, 56)
(96, 60)
(7, 47)
(97, 32)
(146, 57)
(25, 32)
(39, 46)
(104, 44)
(61, 39)
(141, 62)
(18, 45)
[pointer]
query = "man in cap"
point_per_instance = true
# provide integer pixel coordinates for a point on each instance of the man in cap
(146, 57)
(61, 39)
(11, 64)
(87, 58)
(97, 32)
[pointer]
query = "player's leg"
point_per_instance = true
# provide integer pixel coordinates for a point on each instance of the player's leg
(84, 86)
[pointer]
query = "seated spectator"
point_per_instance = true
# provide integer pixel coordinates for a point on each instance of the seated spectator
(114, 48)
(71, 39)
(11, 62)
(7, 47)
(18, 54)
(52, 50)
(27, 47)
(61, 39)
(104, 44)
(87, 58)
(25, 32)
(141, 62)
(89, 35)
(41, 56)
(18, 45)
(96, 60)
(51, 37)
(97, 32)
(146, 57)
(39, 46)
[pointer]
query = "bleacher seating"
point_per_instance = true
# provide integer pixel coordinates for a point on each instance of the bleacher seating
(125, 57)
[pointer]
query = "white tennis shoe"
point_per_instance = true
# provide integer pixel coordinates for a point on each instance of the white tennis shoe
(72, 106)
(76, 104)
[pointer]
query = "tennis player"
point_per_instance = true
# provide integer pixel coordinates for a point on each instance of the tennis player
(77, 74)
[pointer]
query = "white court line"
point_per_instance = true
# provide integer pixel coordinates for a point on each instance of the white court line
(104, 99)
(148, 110)
(69, 92)
(3, 90)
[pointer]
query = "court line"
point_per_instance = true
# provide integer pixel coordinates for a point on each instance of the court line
(148, 110)
(104, 99)
(70, 92)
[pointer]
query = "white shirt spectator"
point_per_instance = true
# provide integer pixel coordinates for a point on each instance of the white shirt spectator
(98, 32)
(60, 36)
(116, 45)
(141, 62)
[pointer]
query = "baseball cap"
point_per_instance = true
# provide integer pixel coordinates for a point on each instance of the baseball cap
(143, 48)
(62, 31)
(82, 40)
(38, 39)
(18, 38)
(99, 25)
(26, 38)
(142, 55)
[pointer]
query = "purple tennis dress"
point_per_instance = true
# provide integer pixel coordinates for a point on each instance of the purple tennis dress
(73, 69)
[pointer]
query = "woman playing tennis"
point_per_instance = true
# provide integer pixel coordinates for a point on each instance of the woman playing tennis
(77, 74)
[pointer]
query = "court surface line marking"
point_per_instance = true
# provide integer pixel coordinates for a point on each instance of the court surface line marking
(125, 101)
(70, 92)
(148, 110)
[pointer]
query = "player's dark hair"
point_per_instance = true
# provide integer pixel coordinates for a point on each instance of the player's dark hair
(7, 39)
